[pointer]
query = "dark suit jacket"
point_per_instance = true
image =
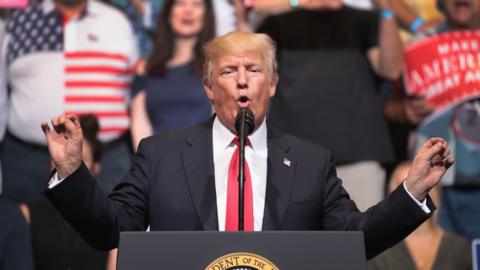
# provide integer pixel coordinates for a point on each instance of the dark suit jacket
(171, 186)
(15, 245)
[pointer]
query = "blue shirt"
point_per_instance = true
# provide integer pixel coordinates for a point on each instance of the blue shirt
(175, 101)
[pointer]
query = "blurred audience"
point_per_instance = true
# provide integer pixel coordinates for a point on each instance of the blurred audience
(328, 57)
(413, 15)
(226, 16)
(2, 28)
(171, 93)
(460, 126)
(15, 245)
(143, 16)
(3, 97)
(59, 56)
(78, 56)
(417, 16)
(56, 245)
(4, 14)
(428, 247)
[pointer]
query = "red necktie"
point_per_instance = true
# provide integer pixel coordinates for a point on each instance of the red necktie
(231, 222)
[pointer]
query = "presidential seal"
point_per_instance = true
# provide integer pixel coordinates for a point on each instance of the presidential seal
(241, 261)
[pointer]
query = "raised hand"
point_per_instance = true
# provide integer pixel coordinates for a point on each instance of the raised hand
(241, 15)
(430, 163)
(65, 143)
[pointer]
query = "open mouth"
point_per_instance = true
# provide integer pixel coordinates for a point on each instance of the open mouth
(243, 101)
(187, 21)
(462, 3)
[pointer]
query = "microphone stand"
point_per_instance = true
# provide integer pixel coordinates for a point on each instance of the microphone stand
(241, 172)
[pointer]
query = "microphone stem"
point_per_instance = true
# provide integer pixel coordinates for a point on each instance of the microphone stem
(241, 174)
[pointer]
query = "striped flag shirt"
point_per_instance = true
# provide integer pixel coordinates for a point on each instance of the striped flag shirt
(80, 66)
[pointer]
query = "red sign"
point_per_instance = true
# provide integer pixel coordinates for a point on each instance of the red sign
(13, 3)
(444, 68)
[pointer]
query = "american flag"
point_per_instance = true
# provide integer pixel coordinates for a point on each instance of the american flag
(31, 31)
(96, 81)
(96, 75)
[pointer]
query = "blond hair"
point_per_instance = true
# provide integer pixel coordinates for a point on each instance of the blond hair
(236, 43)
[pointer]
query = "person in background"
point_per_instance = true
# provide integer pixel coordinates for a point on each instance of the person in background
(416, 16)
(15, 244)
(73, 56)
(429, 246)
(413, 15)
(329, 55)
(171, 93)
(143, 16)
(56, 246)
(460, 126)
(3, 98)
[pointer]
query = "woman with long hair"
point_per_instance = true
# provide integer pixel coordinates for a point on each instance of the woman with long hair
(171, 93)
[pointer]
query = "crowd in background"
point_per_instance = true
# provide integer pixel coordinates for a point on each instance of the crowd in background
(133, 68)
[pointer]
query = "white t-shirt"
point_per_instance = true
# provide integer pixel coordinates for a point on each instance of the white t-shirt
(224, 17)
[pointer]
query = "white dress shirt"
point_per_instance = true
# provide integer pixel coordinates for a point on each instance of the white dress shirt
(256, 155)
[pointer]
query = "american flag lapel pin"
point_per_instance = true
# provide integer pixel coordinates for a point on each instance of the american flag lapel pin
(92, 37)
(287, 162)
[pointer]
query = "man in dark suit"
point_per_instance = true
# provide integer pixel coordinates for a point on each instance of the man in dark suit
(178, 180)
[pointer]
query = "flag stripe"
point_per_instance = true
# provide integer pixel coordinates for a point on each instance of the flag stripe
(114, 129)
(94, 54)
(105, 114)
(90, 84)
(97, 82)
(97, 69)
(88, 62)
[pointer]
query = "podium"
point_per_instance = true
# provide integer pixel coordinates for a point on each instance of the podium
(267, 250)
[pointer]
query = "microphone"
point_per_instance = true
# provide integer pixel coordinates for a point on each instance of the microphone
(244, 125)
(245, 116)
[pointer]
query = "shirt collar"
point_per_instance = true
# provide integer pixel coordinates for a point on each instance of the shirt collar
(91, 7)
(224, 137)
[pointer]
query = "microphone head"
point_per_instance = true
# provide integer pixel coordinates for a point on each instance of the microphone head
(249, 120)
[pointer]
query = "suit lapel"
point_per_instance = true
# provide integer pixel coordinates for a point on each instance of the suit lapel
(280, 177)
(198, 163)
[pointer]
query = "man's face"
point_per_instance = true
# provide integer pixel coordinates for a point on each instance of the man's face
(240, 80)
(461, 13)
